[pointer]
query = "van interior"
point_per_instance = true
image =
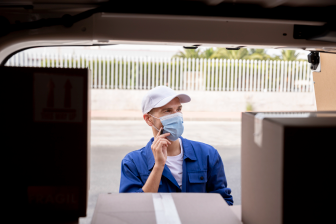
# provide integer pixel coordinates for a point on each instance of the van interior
(48, 148)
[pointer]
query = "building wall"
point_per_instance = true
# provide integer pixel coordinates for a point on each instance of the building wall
(207, 101)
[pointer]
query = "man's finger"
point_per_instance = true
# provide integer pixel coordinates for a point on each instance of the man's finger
(164, 135)
(165, 141)
(162, 143)
(158, 134)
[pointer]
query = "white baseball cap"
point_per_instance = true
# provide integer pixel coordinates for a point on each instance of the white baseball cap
(160, 96)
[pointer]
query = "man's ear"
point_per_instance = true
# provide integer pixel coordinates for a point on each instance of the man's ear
(146, 117)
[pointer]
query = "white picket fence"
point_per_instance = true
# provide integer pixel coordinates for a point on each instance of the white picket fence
(117, 72)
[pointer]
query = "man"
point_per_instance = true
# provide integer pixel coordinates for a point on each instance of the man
(170, 163)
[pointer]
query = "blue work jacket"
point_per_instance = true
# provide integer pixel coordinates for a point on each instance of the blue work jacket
(203, 171)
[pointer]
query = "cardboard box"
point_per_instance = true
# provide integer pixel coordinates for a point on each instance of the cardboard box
(47, 137)
(288, 171)
(162, 208)
(325, 83)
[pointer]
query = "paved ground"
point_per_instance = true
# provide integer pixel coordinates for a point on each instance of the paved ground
(111, 140)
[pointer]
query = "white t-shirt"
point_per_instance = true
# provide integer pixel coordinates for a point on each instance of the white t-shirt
(175, 163)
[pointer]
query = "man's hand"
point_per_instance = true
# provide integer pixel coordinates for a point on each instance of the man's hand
(159, 148)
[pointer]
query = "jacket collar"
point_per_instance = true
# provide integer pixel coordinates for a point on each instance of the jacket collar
(187, 148)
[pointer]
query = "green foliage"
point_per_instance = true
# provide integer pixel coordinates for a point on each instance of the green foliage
(243, 53)
(259, 54)
(289, 55)
(231, 54)
(189, 53)
(208, 53)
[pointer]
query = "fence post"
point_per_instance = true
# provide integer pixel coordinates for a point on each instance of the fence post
(157, 72)
(304, 75)
(289, 76)
(145, 72)
(208, 82)
(164, 66)
(150, 73)
(140, 72)
(204, 75)
(220, 75)
(259, 67)
(99, 71)
(285, 77)
(282, 76)
(269, 71)
(108, 60)
(216, 79)
(278, 76)
(247, 82)
(91, 69)
(228, 75)
(235, 74)
(116, 73)
(300, 77)
(160, 64)
(274, 75)
(251, 75)
(293, 76)
(255, 75)
(239, 75)
(243, 86)
(112, 73)
(102, 79)
(173, 64)
(123, 71)
(188, 80)
(197, 74)
(232, 74)
(169, 71)
(263, 76)
(212, 74)
(185, 69)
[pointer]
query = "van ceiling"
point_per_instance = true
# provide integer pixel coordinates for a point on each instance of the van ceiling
(298, 24)
(309, 10)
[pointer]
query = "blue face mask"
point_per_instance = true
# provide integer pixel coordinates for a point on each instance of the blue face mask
(173, 124)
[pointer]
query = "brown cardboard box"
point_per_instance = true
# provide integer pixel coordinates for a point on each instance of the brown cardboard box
(47, 138)
(325, 83)
(288, 177)
(163, 208)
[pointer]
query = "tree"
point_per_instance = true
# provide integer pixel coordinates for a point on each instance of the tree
(259, 54)
(188, 53)
(208, 53)
(231, 54)
(289, 55)
(243, 53)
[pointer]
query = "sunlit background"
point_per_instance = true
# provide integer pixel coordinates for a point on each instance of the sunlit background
(222, 84)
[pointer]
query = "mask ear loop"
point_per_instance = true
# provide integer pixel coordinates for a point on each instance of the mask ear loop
(152, 122)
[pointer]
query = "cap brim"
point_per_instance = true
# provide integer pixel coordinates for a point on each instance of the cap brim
(184, 98)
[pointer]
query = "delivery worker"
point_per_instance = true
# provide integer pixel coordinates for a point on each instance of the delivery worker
(170, 163)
